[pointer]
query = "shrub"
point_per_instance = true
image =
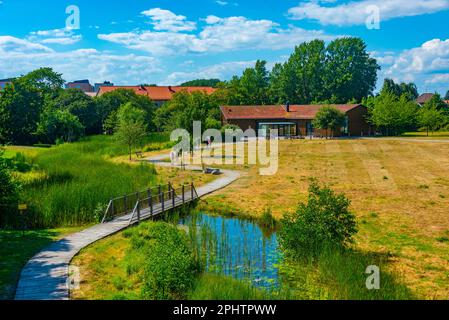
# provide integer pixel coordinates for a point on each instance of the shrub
(9, 196)
(324, 220)
(170, 269)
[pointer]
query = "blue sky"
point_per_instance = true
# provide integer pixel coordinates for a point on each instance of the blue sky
(169, 42)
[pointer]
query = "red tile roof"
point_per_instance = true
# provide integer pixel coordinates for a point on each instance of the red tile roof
(157, 93)
(278, 112)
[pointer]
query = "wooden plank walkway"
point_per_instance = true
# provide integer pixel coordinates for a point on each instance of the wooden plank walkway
(45, 276)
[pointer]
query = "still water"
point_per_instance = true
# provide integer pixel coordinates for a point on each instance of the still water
(235, 247)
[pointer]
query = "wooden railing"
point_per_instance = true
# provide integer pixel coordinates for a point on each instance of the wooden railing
(156, 200)
(159, 203)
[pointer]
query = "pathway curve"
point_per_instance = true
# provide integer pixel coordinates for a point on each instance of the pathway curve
(45, 276)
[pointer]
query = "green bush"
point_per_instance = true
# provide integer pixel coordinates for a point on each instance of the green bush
(170, 268)
(324, 220)
(9, 196)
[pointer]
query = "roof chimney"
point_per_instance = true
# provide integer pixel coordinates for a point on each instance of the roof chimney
(287, 106)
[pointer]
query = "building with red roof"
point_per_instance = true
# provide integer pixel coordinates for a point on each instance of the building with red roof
(159, 95)
(294, 120)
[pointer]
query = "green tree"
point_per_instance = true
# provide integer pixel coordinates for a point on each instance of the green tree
(59, 125)
(185, 108)
(131, 128)
(306, 68)
(408, 89)
(9, 196)
(80, 105)
(329, 117)
(46, 80)
(324, 220)
(393, 115)
(350, 72)
(20, 108)
(112, 101)
(202, 83)
(430, 118)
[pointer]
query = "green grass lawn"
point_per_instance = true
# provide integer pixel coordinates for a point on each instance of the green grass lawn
(16, 248)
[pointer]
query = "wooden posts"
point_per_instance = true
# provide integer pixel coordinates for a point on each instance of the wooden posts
(173, 197)
(183, 194)
(162, 202)
(150, 201)
(159, 193)
(138, 211)
(191, 187)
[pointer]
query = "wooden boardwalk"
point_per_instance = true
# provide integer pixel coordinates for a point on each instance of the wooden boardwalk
(45, 276)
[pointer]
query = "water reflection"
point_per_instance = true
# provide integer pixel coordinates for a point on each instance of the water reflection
(235, 247)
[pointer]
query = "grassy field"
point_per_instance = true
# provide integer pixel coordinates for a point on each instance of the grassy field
(435, 135)
(399, 192)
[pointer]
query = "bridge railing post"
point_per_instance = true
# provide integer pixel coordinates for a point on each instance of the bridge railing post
(162, 202)
(173, 197)
(160, 192)
(138, 212)
(183, 194)
(191, 190)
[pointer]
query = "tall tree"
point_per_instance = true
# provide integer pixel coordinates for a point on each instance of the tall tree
(80, 105)
(408, 89)
(350, 71)
(446, 97)
(131, 129)
(9, 196)
(202, 83)
(306, 65)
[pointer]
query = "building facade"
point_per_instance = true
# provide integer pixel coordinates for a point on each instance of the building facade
(295, 120)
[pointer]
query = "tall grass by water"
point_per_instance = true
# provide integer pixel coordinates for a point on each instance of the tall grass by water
(72, 183)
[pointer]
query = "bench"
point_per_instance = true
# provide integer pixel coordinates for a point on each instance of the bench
(213, 171)
(139, 154)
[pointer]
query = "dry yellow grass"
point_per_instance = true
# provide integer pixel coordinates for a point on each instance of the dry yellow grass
(399, 192)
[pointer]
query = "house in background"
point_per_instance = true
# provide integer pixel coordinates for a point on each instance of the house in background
(425, 97)
(294, 120)
(4, 83)
(97, 86)
(83, 85)
(159, 95)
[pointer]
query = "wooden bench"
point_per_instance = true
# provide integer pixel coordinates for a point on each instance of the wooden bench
(213, 171)
(139, 154)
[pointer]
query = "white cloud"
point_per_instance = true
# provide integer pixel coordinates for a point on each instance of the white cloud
(63, 36)
(12, 46)
(222, 3)
(19, 56)
(426, 64)
(219, 35)
(165, 20)
(355, 13)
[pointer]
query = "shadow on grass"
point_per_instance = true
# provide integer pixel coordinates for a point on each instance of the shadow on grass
(16, 248)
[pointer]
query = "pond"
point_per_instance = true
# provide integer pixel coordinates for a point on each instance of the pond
(235, 247)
